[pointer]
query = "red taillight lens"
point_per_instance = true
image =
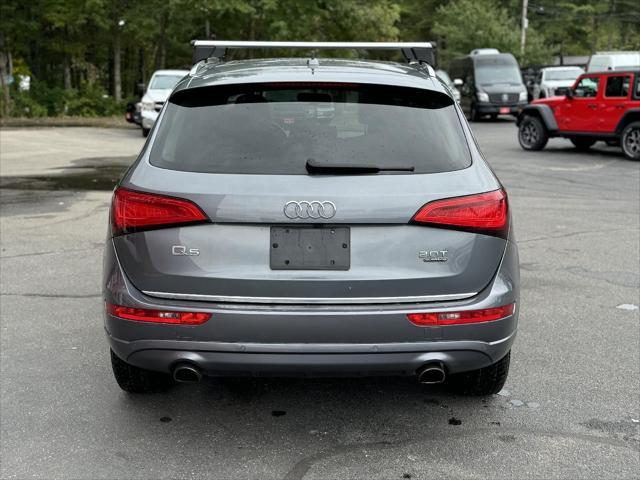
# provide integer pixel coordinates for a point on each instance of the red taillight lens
(434, 319)
(134, 211)
(157, 316)
(486, 213)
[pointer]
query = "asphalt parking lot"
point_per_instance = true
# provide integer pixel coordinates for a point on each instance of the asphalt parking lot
(570, 408)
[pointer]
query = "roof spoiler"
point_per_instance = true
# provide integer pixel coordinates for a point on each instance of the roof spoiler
(412, 51)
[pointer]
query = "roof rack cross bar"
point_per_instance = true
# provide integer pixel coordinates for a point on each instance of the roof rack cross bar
(412, 51)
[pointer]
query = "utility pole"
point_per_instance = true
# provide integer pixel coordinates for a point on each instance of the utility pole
(525, 25)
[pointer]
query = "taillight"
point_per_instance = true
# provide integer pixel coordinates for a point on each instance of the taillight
(486, 213)
(434, 319)
(133, 211)
(157, 316)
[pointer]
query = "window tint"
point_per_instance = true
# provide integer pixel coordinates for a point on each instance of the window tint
(588, 87)
(617, 86)
(637, 94)
(276, 128)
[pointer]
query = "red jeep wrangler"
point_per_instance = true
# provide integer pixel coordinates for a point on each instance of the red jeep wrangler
(599, 106)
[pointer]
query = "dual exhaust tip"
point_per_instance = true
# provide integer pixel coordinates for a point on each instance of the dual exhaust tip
(429, 374)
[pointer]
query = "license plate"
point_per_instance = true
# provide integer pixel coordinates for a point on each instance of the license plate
(310, 248)
(505, 110)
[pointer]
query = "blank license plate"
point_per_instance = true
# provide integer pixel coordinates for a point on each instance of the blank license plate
(310, 248)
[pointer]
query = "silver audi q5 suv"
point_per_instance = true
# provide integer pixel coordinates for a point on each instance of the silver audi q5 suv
(311, 217)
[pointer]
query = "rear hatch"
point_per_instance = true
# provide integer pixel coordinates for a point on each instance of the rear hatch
(310, 193)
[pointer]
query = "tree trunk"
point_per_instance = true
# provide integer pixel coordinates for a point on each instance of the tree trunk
(161, 50)
(612, 11)
(117, 75)
(67, 73)
(5, 60)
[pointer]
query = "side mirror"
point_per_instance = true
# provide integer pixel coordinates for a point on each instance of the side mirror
(458, 82)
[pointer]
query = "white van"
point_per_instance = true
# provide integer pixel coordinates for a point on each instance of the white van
(602, 61)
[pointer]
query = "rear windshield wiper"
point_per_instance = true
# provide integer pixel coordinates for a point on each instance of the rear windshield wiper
(314, 167)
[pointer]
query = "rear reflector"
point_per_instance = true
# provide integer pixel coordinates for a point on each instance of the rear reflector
(133, 211)
(486, 213)
(157, 316)
(434, 319)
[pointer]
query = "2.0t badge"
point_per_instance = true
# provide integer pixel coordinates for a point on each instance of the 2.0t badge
(433, 255)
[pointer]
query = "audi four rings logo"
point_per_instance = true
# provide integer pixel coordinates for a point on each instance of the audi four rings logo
(314, 209)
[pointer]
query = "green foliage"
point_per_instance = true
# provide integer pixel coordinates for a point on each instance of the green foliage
(90, 100)
(67, 46)
(467, 24)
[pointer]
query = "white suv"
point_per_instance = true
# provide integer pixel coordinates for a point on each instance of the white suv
(160, 86)
(555, 81)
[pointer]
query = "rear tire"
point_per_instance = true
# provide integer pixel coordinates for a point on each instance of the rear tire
(630, 141)
(138, 380)
(583, 143)
(474, 116)
(482, 382)
(532, 134)
(145, 132)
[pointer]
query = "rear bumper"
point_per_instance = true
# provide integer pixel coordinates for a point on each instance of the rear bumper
(491, 108)
(240, 359)
(316, 340)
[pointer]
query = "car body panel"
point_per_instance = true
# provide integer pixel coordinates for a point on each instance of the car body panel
(328, 328)
(600, 116)
(544, 87)
(504, 98)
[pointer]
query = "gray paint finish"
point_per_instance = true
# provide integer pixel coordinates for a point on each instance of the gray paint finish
(481, 271)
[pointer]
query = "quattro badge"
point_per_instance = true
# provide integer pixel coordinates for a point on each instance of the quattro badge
(433, 255)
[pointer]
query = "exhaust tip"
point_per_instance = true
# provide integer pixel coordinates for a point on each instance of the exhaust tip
(187, 373)
(431, 374)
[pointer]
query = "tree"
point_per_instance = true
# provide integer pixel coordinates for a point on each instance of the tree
(467, 24)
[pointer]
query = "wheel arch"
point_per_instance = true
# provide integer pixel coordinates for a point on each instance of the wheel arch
(632, 115)
(545, 114)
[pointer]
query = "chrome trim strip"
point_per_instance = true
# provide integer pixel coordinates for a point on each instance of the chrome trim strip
(309, 301)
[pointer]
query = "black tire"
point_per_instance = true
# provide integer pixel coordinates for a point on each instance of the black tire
(474, 116)
(137, 380)
(482, 382)
(494, 116)
(145, 132)
(583, 143)
(532, 134)
(630, 141)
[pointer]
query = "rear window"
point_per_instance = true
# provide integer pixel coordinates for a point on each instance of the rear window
(277, 128)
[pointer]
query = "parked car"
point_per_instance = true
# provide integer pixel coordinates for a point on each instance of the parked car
(600, 106)
(555, 81)
(444, 76)
(491, 84)
(602, 61)
(248, 239)
(133, 113)
(160, 86)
